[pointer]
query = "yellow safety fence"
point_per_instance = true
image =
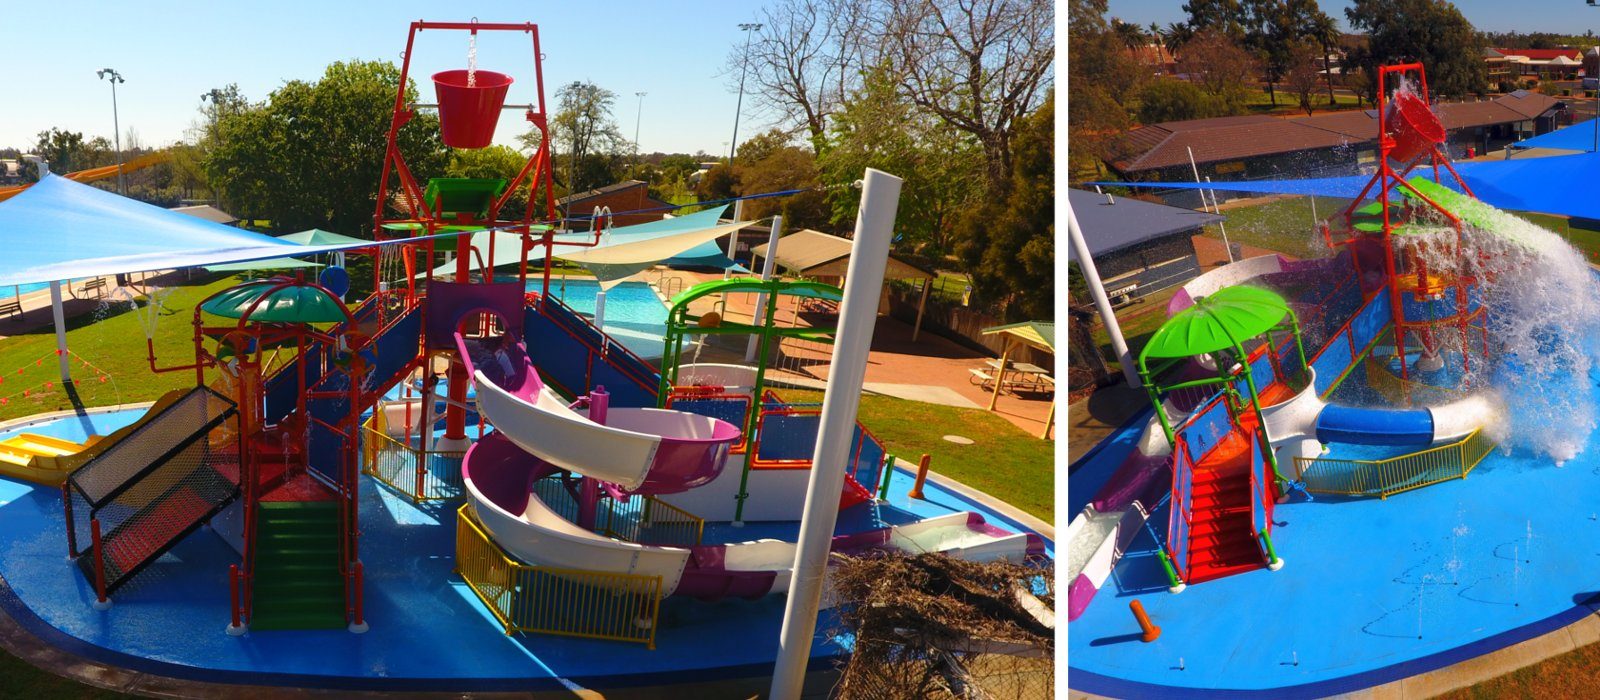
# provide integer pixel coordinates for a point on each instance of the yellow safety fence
(420, 475)
(1386, 477)
(547, 600)
(641, 520)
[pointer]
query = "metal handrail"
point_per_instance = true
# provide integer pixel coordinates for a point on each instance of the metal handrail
(1385, 477)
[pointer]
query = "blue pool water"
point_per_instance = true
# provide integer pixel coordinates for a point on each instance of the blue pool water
(635, 316)
(429, 632)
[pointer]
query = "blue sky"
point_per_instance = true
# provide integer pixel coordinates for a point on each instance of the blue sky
(1488, 15)
(171, 52)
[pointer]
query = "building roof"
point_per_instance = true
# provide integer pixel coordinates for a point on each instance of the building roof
(1110, 224)
(1168, 144)
(817, 254)
(207, 212)
(596, 192)
(1538, 54)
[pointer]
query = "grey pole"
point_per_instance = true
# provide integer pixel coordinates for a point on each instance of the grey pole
(747, 28)
(116, 125)
(1130, 369)
(637, 120)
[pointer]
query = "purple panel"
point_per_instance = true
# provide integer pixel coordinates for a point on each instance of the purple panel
(705, 578)
(1079, 594)
(1135, 480)
(449, 302)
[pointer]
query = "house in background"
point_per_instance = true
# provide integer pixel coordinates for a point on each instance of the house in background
(630, 203)
(1139, 248)
(1254, 147)
(1534, 63)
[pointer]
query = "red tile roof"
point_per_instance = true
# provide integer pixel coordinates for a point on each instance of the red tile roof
(1543, 54)
(1168, 144)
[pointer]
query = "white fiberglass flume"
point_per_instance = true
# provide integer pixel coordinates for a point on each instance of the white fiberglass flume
(537, 435)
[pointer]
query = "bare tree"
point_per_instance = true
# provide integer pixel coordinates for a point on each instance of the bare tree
(978, 65)
(806, 59)
(1302, 78)
(1217, 63)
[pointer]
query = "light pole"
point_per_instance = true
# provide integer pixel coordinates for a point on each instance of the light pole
(637, 120)
(116, 126)
(744, 68)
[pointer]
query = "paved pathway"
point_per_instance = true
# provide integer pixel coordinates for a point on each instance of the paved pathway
(933, 369)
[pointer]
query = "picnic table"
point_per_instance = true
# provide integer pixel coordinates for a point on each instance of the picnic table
(1018, 377)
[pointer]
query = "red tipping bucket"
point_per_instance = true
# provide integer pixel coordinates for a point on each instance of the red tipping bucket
(1413, 126)
(468, 115)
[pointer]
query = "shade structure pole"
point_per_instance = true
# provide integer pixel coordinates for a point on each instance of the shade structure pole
(1097, 290)
(600, 309)
(922, 305)
(1000, 374)
(59, 316)
(733, 238)
(767, 266)
(858, 315)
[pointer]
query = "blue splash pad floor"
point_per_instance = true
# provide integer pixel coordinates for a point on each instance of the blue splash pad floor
(1372, 590)
(429, 632)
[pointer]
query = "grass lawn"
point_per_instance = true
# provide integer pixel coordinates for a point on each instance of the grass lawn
(19, 679)
(1259, 102)
(1004, 461)
(112, 343)
(1285, 225)
(1571, 675)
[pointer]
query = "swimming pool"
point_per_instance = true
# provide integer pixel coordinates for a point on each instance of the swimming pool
(635, 316)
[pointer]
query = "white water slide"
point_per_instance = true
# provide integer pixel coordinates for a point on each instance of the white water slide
(647, 450)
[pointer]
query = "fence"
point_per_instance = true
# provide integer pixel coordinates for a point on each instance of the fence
(1178, 524)
(1385, 477)
(419, 474)
(547, 600)
(640, 519)
(786, 438)
(135, 499)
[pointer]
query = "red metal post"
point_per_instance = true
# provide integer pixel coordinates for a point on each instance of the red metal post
(99, 562)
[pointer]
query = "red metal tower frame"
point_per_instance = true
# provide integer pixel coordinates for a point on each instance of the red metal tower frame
(1387, 179)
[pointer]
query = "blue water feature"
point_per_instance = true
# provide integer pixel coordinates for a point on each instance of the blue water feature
(635, 316)
(429, 631)
(1372, 590)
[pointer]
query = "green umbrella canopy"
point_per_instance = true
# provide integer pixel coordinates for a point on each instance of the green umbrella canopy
(295, 303)
(1230, 316)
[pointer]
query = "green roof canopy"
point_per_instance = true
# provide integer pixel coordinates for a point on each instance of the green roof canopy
(1220, 321)
(317, 236)
(1039, 334)
(296, 303)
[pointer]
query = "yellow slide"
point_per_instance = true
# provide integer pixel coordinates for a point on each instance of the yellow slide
(47, 460)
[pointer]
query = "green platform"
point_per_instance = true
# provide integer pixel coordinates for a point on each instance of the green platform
(297, 580)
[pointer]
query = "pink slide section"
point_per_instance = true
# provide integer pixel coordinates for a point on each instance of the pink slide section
(642, 450)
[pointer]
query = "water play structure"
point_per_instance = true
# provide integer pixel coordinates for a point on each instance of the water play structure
(1299, 407)
(455, 459)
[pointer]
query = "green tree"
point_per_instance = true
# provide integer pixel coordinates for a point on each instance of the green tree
(586, 143)
(1131, 35)
(1101, 84)
(941, 167)
(312, 154)
(1169, 100)
(1431, 31)
(1008, 245)
(68, 151)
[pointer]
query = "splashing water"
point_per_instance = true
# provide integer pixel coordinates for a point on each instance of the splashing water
(1544, 310)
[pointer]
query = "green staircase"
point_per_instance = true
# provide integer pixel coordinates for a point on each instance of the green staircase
(297, 579)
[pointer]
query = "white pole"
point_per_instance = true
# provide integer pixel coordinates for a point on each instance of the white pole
(858, 315)
(1228, 249)
(1097, 290)
(59, 315)
(758, 314)
(733, 238)
(600, 309)
(1221, 226)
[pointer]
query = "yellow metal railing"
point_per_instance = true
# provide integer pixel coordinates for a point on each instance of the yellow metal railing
(419, 474)
(1386, 477)
(546, 600)
(641, 520)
